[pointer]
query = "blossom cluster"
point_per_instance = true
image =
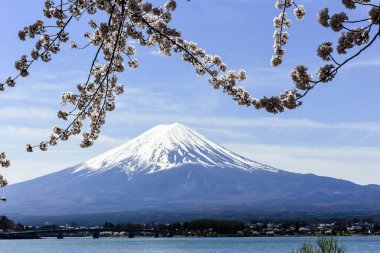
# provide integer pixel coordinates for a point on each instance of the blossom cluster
(3, 181)
(4, 162)
(283, 22)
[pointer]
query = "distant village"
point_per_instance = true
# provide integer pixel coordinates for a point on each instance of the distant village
(200, 228)
(337, 228)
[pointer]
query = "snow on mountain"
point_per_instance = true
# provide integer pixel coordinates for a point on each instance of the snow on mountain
(169, 146)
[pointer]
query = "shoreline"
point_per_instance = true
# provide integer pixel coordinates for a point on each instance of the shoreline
(12, 236)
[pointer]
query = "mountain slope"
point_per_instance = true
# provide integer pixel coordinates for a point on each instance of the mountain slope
(173, 170)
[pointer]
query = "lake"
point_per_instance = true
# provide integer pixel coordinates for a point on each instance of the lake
(178, 245)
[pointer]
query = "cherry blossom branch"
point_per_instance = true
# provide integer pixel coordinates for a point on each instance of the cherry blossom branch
(45, 42)
(352, 37)
(5, 163)
(140, 21)
(328, 77)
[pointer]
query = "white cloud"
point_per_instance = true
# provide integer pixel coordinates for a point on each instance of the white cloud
(357, 164)
(30, 165)
(365, 63)
(228, 122)
(155, 53)
(27, 113)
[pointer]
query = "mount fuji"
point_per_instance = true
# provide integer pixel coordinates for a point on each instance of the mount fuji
(171, 172)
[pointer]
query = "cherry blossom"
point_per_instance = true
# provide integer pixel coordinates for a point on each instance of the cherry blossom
(139, 22)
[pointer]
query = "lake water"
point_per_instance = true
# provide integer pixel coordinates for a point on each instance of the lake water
(178, 245)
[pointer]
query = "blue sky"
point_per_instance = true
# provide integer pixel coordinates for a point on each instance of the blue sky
(335, 133)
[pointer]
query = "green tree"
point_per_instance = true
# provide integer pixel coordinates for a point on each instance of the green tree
(6, 223)
(323, 245)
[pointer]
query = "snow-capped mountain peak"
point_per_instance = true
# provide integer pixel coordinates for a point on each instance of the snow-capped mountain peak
(165, 147)
(171, 173)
